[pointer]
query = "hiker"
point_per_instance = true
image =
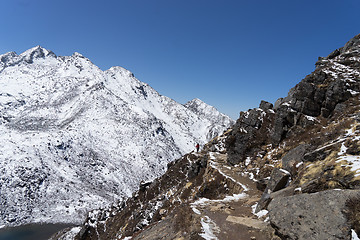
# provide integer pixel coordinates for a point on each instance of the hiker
(197, 147)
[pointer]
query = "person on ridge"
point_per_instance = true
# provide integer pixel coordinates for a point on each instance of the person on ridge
(197, 147)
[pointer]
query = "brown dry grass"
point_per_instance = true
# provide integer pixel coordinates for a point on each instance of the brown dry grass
(353, 213)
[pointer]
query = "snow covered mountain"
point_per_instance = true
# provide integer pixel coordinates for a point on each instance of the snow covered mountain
(209, 112)
(76, 138)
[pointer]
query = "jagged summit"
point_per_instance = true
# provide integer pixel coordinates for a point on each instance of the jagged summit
(11, 58)
(121, 70)
(77, 138)
(195, 101)
(200, 107)
(204, 110)
(352, 45)
(346, 55)
(7, 56)
(36, 52)
(77, 54)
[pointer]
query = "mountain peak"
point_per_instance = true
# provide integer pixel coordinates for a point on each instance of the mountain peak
(122, 71)
(198, 105)
(36, 52)
(196, 101)
(7, 56)
(352, 44)
(207, 111)
(351, 49)
(77, 54)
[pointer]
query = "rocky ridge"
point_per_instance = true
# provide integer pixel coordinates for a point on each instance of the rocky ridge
(75, 138)
(288, 171)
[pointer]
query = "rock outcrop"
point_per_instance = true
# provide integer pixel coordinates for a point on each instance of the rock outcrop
(320, 94)
(313, 216)
(313, 134)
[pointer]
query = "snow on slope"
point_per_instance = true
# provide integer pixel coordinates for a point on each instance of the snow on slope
(206, 111)
(75, 138)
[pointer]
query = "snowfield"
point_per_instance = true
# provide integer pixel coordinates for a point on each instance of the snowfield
(76, 138)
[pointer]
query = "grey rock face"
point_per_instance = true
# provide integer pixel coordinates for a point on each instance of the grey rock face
(320, 94)
(317, 216)
(278, 180)
(265, 105)
(294, 157)
(354, 43)
(250, 127)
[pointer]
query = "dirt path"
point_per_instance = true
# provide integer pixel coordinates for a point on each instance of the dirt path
(232, 217)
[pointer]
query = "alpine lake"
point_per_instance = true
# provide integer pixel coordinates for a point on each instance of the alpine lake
(31, 231)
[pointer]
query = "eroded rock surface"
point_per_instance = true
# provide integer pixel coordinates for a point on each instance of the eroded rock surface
(318, 216)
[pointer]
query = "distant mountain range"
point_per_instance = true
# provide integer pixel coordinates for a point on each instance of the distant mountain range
(75, 138)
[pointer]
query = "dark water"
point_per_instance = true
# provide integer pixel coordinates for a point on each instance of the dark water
(31, 232)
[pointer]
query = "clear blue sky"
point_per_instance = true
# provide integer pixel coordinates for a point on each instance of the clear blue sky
(230, 54)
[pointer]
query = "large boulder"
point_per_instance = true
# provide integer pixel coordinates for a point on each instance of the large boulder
(278, 180)
(294, 157)
(318, 216)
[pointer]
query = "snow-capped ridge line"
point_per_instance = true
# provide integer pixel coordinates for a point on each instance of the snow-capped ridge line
(77, 138)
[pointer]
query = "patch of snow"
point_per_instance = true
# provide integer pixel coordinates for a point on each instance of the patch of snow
(144, 222)
(286, 104)
(232, 179)
(340, 71)
(234, 197)
(242, 130)
(195, 210)
(339, 140)
(353, 162)
(310, 118)
(250, 175)
(205, 201)
(260, 213)
(209, 229)
(246, 114)
(353, 93)
(284, 171)
(247, 161)
(350, 132)
(343, 149)
(354, 236)
(299, 164)
(70, 235)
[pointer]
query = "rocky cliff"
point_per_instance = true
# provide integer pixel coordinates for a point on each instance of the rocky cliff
(285, 171)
